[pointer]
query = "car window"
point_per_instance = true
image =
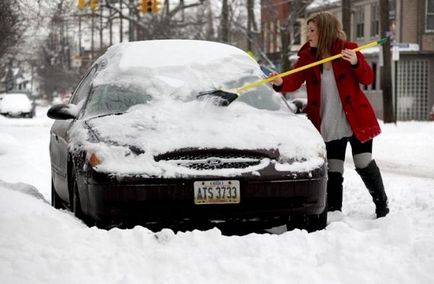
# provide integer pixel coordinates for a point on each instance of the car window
(84, 87)
(106, 99)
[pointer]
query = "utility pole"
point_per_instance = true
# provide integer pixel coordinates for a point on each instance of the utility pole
(386, 74)
(346, 17)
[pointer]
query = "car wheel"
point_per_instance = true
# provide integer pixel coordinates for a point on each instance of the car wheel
(309, 223)
(56, 202)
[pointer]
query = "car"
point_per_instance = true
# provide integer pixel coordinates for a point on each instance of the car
(16, 105)
(135, 145)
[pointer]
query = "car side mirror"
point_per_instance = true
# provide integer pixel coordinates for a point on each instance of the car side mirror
(300, 104)
(61, 112)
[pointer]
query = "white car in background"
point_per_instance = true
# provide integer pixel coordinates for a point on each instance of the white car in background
(16, 105)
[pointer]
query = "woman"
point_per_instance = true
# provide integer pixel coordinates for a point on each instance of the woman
(337, 106)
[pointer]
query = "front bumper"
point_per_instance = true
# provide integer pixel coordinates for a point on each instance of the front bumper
(145, 201)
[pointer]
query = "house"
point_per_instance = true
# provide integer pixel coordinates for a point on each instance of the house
(412, 32)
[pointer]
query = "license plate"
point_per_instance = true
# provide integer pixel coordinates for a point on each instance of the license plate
(216, 192)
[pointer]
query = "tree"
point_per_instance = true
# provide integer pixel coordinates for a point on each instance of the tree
(386, 75)
(54, 66)
(288, 33)
(11, 30)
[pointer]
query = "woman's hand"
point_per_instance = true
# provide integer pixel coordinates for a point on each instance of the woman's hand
(277, 81)
(350, 56)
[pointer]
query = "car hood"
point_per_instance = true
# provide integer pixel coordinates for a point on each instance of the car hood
(169, 126)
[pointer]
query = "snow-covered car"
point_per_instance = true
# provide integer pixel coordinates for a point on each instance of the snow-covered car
(16, 105)
(135, 145)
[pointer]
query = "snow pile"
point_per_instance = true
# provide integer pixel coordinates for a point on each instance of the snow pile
(44, 245)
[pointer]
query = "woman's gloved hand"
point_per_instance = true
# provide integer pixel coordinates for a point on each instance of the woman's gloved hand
(277, 81)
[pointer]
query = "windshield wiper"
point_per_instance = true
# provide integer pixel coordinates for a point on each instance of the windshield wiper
(106, 114)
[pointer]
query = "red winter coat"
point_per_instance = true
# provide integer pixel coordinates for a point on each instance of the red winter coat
(358, 110)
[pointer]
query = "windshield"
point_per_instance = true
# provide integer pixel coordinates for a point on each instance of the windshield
(110, 99)
(118, 97)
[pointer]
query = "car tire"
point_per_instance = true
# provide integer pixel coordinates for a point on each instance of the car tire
(310, 223)
(56, 202)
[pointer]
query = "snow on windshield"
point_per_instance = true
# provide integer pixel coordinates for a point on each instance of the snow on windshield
(180, 68)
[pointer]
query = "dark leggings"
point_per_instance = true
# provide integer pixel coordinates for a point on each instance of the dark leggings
(336, 152)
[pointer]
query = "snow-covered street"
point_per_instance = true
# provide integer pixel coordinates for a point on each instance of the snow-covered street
(39, 244)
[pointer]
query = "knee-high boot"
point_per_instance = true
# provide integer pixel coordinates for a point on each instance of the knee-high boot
(334, 191)
(371, 176)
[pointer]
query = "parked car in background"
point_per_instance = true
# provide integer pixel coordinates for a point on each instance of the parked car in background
(135, 146)
(16, 105)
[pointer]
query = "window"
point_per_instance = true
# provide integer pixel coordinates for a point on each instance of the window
(375, 20)
(359, 19)
(429, 15)
(84, 88)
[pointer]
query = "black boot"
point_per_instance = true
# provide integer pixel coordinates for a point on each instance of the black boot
(334, 191)
(371, 176)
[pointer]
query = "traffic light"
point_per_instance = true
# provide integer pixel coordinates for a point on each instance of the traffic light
(93, 4)
(146, 6)
(81, 4)
(156, 6)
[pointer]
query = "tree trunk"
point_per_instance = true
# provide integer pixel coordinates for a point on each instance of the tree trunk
(386, 75)
(225, 22)
(249, 23)
(346, 17)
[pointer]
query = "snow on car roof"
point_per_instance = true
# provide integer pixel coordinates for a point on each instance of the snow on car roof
(187, 65)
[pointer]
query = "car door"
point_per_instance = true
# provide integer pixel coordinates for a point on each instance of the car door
(59, 141)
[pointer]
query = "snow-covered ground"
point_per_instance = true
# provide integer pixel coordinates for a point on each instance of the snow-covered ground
(39, 244)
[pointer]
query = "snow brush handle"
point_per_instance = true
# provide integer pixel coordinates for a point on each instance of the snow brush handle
(322, 61)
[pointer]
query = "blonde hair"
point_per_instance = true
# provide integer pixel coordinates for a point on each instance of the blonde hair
(329, 29)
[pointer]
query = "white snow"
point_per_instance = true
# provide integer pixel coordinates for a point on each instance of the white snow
(15, 104)
(170, 125)
(39, 244)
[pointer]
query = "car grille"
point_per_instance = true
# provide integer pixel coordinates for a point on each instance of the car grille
(213, 160)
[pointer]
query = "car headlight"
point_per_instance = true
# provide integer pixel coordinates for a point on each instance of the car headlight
(93, 159)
